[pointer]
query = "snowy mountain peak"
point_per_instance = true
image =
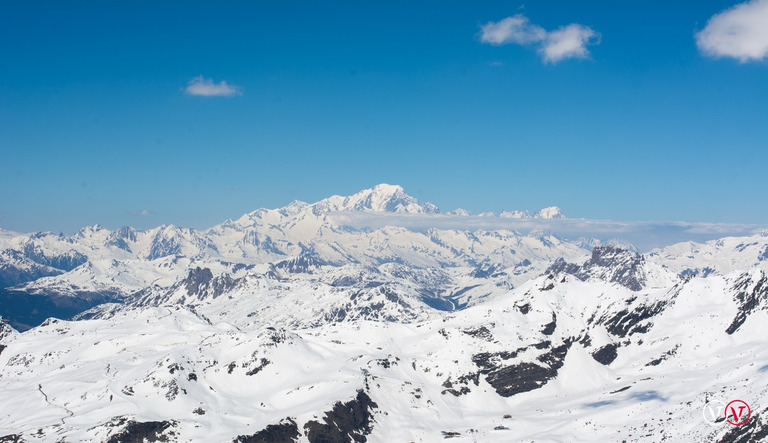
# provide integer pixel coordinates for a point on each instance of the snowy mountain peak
(550, 212)
(92, 231)
(385, 188)
(608, 256)
(293, 208)
(122, 237)
(380, 198)
(546, 213)
(515, 214)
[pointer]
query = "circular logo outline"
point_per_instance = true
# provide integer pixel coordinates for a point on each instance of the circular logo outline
(740, 423)
(708, 408)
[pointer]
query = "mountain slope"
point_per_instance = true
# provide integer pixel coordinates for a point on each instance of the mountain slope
(282, 325)
(527, 365)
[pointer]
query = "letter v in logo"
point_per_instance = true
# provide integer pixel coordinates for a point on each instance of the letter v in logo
(735, 412)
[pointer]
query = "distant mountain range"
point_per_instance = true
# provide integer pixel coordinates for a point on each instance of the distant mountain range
(52, 273)
(286, 325)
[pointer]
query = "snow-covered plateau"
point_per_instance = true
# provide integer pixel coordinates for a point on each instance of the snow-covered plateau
(285, 325)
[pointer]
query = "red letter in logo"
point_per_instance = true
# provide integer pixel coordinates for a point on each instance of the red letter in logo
(740, 418)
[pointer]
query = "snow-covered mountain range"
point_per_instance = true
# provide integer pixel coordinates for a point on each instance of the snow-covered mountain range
(295, 245)
(285, 325)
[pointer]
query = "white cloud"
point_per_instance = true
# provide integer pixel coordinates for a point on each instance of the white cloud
(142, 213)
(569, 41)
(645, 235)
(207, 88)
(740, 32)
(515, 29)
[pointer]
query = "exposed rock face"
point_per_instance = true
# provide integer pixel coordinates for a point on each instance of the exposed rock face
(756, 429)
(350, 421)
(121, 238)
(751, 295)
(606, 355)
(285, 431)
(608, 263)
(163, 246)
(135, 431)
(665, 356)
(6, 330)
(509, 380)
(549, 328)
(202, 284)
(170, 240)
(66, 261)
(626, 322)
(302, 264)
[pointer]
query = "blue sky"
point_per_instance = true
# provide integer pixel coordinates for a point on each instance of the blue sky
(646, 118)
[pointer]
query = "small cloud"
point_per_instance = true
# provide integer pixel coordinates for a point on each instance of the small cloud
(207, 88)
(569, 41)
(740, 32)
(496, 64)
(515, 29)
(142, 213)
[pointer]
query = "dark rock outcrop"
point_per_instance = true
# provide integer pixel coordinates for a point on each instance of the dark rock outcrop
(136, 431)
(614, 265)
(626, 322)
(350, 421)
(607, 354)
(754, 430)
(285, 431)
(201, 283)
(509, 380)
(305, 263)
(751, 295)
(549, 328)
